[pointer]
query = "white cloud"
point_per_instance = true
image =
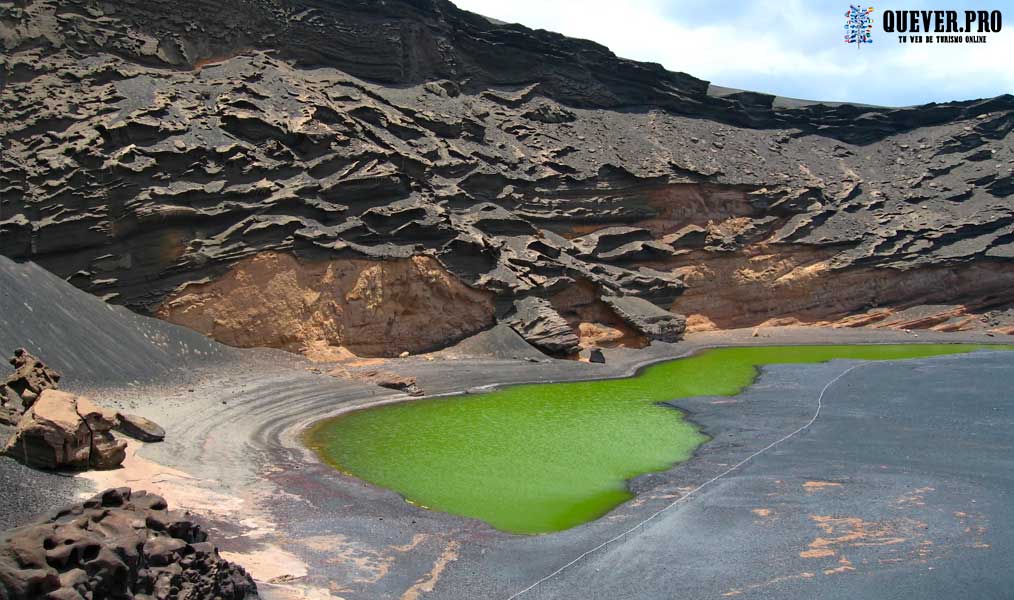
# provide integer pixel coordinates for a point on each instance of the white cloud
(791, 47)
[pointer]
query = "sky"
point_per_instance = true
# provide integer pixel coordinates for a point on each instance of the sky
(792, 48)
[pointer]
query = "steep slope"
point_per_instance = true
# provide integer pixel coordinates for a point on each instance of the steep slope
(89, 341)
(151, 149)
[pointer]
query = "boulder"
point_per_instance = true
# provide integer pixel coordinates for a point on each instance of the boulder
(550, 113)
(30, 377)
(654, 322)
(393, 381)
(63, 431)
(118, 544)
(594, 355)
(139, 428)
(537, 321)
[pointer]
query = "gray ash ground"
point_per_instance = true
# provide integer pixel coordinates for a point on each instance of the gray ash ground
(26, 494)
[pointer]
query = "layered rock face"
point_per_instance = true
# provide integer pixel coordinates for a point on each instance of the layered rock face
(119, 544)
(373, 308)
(157, 154)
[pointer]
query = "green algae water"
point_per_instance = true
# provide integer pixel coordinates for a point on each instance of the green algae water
(546, 457)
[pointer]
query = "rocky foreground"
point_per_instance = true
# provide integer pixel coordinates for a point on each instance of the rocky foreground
(394, 177)
(119, 544)
(59, 430)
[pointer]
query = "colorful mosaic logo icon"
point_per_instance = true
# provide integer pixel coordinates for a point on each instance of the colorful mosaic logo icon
(859, 25)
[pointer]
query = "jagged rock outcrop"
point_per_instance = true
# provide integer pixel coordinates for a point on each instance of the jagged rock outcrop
(9, 412)
(537, 321)
(147, 157)
(64, 431)
(652, 321)
(30, 378)
(118, 544)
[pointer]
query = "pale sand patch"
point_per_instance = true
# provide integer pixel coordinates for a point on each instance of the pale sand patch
(429, 581)
(269, 563)
(814, 486)
(272, 591)
(365, 564)
(183, 492)
(180, 489)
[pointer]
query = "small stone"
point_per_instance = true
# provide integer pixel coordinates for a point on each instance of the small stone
(139, 428)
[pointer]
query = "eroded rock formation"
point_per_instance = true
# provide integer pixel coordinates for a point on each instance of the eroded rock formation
(537, 321)
(371, 307)
(760, 285)
(64, 431)
(30, 378)
(118, 544)
(155, 152)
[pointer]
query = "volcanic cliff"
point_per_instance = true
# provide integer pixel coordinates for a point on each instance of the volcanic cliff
(396, 176)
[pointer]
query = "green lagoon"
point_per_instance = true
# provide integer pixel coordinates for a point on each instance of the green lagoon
(545, 457)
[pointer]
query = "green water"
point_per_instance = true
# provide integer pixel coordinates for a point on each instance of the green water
(545, 457)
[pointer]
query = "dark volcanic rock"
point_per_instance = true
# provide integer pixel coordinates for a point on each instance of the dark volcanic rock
(691, 236)
(118, 544)
(537, 321)
(594, 355)
(611, 238)
(150, 146)
(645, 317)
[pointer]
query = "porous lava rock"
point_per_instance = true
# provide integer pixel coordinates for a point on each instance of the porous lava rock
(30, 377)
(118, 544)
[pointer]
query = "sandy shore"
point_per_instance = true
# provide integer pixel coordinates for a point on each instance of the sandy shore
(233, 456)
